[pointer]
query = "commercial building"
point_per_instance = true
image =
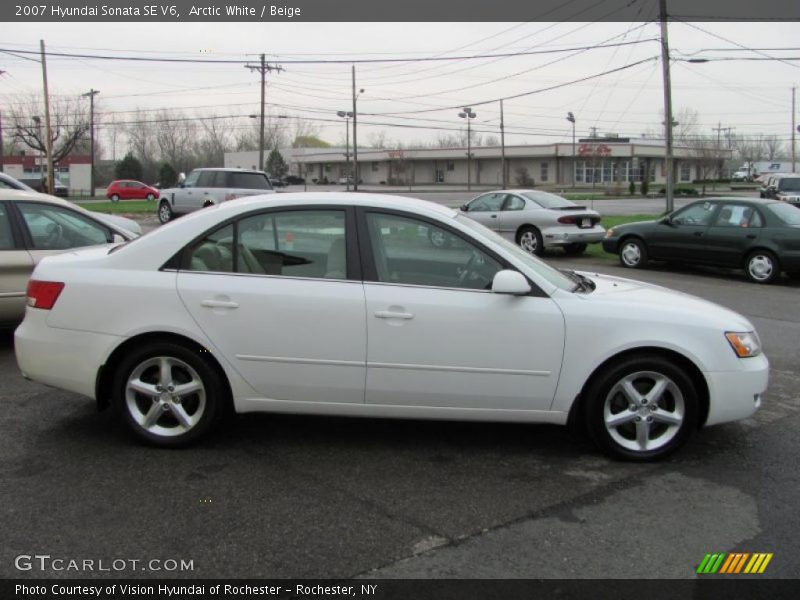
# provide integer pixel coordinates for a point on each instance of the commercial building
(74, 171)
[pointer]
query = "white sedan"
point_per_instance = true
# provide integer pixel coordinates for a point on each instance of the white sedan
(338, 304)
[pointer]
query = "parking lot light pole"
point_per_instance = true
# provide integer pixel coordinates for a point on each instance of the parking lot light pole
(346, 116)
(468, 115)
(571, 119)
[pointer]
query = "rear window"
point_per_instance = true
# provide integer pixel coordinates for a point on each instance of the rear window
(785, 212)
(249, 181)
(546, 200)
(789, 184)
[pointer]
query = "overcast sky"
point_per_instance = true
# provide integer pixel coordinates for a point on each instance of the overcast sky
(751, 96)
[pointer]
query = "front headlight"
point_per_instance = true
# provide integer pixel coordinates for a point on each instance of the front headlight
(744, 344)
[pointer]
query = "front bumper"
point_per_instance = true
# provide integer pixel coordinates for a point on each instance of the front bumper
(611, 245)
(735, 395)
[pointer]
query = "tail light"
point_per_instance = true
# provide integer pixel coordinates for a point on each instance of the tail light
(43, 294)
(567, 220)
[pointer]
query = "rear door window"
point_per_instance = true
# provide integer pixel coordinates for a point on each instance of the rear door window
(249, 181)
(6, 239)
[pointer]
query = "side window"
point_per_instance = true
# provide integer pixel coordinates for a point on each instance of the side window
(696, 214)
(487, 203)
(6, 239)
(57, 228)
(737, 215)
(220, 179)
(206, 179)
(291, 244)
(405, 252)
(514, 203)
(191, 180)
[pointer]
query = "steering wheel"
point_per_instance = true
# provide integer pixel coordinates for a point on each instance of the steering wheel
(469, 269)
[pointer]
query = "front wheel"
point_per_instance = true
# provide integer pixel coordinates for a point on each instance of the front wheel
(574, 249)
(633, 254)
(641, 409)
(165, 214)
(530, 239)
(168, 394)
(762, 266)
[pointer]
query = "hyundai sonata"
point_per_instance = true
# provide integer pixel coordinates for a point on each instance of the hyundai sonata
(338, 304)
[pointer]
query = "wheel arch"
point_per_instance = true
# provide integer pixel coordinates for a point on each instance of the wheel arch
(524, 226)
(106, 371)
(759, 248)
(692, 370)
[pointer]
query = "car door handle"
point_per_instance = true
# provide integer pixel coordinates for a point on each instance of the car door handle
(698, 233)
(493, 216)
(219, 304)
(388, 314)
(751, 236)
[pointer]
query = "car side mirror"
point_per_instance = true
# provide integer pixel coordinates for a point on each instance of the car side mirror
(510, 282)
(667, 220)
(117, 239)
(464, 207)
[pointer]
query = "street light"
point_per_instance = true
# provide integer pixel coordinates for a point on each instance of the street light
(571, 119)
(91, 94)
(346, 115)
(468, 115)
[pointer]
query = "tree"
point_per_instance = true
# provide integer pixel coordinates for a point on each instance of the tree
(167, 176)
(69, 123)
(309, 141)
(378, 139)
(128, 168)
(276, 166)
(773, 147)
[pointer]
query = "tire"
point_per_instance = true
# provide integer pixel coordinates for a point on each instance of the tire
(574, 249)
(633, 253)
(150, 197)
(530, 239)
(761, 266)
(115, 197)
(157, 414)
(438, 238)
(625, 424)
(165, 214)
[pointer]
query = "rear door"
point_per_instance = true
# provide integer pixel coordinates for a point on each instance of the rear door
(248, 183)
(16, 265)
(735, 229)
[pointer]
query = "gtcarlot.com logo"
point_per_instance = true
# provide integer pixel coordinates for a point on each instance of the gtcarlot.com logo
(46, 562)
(734, 563)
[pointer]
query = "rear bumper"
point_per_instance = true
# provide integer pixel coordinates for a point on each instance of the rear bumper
(61, 358)
(735, 395)
(559, 236)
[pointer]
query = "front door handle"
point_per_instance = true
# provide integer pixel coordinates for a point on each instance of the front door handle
(219, 304)
(494, 216)
(388, 314)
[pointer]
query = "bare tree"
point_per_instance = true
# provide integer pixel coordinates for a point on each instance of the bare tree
(749, 149)
(213, 141)
(141, 133)
(773, 147)
(69, 123)
(378, 139)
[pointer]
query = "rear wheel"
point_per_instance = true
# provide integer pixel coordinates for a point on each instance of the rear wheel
(168, 394)
(115, 197)
(761, 266)
(574, 249)
(633, 253)
(151, 197)
(165, 213)
(530, 239)
(641, 409)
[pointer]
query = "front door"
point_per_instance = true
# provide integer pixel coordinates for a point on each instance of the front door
(438, 337)
(486, 209)
(16, 265)
(683, 236)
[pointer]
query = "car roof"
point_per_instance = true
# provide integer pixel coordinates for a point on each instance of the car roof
(229, 169)
(32, 197)
(727, 199)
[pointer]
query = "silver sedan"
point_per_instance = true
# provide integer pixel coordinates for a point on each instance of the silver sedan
(536, 220)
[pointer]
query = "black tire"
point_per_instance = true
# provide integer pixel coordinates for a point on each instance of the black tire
(165, 214)
(202, 409)
(115, 197)
(604, 399)
(151, 197)
(633, 253)
(574, 249)
(530, 239)
(762, 266)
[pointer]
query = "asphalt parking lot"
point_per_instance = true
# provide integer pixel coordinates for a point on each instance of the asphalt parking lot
(306, 497)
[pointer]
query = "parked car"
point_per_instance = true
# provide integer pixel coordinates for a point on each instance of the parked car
(769, 187)
(129, 189)
(760, 236)
(206, 187)
(333, 304)
(787, 189)
(33, 226)
(276, 182)
(536, 220)
(38, 185)
(293, 180)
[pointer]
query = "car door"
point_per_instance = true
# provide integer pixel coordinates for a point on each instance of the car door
(16, 265)
(735, 229)
(682, 236)
(187, 195)
(486, 209)
(438, 337)
(279, 295)
(512, 216)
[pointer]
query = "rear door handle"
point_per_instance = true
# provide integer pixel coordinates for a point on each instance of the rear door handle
(219, 304)
(387, 314)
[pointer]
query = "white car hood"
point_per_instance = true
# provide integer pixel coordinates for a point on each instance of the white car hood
(664, 303)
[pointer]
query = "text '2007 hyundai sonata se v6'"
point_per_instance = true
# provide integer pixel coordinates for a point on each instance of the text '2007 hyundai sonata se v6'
(339, 304)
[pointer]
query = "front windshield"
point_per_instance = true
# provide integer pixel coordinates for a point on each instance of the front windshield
(546, 200)
(785, 212)
(789, 184)
(557, 278)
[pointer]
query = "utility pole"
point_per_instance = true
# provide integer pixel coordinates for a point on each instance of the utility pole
(262, 68)
(794, 129)
(355, 134)
(91, 94)
(719, 129)
(670, 187)
(2, 148)
(48, 131)
(502, 145)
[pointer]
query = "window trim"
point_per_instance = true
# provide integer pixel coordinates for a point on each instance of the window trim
(180, 261)
(17, 234)
(370, 271)
(25, 235)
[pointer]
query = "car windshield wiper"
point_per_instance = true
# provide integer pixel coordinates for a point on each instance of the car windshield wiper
(582, 283)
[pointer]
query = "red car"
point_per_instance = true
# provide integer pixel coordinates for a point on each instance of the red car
(128, 189)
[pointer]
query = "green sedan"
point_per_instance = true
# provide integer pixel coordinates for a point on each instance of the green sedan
(760, 236)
